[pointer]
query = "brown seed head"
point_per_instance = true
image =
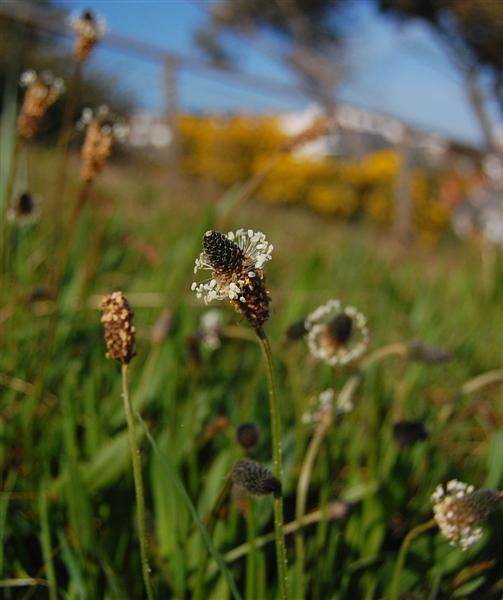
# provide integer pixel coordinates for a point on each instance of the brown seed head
(254, 478)
(117, 320)
(40, 96)
(96, 149)
(253, 301)
(89, 30)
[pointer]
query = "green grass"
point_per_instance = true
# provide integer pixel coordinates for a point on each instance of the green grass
(67, 508)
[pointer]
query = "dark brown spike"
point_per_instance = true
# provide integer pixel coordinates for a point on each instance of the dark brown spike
(254, 478)
(222, 253)
(253, 301)
(341, 327)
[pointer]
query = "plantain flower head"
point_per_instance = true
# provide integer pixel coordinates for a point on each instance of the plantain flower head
(89, 29)
(336, 334)
(459, 510)
(235, 262)
(42, 91)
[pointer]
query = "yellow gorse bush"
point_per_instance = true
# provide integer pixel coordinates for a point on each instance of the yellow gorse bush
(233, 149)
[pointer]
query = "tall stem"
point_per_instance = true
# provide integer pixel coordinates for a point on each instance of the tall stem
(300, 504)
(66, 134)
(138, 483)
(11, 178)
(251, 557)
(210, 526)
(62, 263)
(404, 548)
(277, 463)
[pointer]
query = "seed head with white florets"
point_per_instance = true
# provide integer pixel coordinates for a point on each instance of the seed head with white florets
(459, 510)
(337, 334)
(235, 261)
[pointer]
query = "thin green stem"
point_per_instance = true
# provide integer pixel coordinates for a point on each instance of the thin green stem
(402, 554)
(300, 504)
(210, 526)
(251, 557)
(334, 510)
(277, 463)
(60, 268)
(180, 488)
(9, 189)
(66, 134)
(138, 483)
(46, 542)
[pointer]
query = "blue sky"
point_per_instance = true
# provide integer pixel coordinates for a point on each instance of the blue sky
(394, 69)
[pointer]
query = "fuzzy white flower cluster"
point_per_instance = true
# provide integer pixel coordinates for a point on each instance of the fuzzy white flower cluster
(111, 124)
(88, 25)
(256, 250)
(210, 327)
(324, 407)
(321, 342)
(54, 84)
(450, 514)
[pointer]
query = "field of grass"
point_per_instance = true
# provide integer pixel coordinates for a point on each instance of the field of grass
(67, 503)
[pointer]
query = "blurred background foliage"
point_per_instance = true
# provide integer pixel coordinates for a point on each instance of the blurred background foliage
(67, 515)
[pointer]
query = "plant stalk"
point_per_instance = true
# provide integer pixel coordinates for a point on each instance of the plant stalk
(210, 526)
(277, 463)
(138, 483)
(300, 503)
(402, 554)
(60, 268)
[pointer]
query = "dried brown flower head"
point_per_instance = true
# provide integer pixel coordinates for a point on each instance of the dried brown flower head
(42, 91)
(117, 320)
(89, 29)
(254, 478)
(235, 261)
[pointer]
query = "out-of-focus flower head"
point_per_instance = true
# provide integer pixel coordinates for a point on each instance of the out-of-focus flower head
(326, 405)
(89, 29)
(459, 511)
(42, 91)
(425, 353)
(407, 433)
(25, 210)
(210, 329)
(255, 479)
(102, 129)
(336, 334)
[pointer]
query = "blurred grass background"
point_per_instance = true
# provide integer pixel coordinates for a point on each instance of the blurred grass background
(67, 501)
